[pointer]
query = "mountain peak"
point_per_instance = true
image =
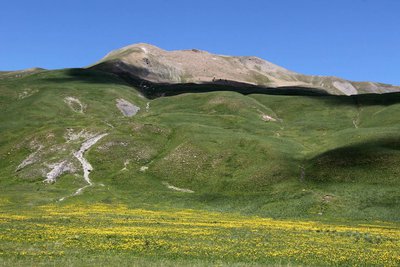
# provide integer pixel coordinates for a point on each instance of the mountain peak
(150, 63)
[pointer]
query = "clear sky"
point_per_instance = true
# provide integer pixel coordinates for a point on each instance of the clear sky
(353, 39)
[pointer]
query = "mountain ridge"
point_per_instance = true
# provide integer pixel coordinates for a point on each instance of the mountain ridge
(152, 64)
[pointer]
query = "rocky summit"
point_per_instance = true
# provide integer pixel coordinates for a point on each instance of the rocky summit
(150, 63)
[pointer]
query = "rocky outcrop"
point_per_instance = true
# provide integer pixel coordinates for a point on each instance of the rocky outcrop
(127, 108)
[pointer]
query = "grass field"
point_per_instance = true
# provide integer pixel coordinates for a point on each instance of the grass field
(277, 179)
(77, 234)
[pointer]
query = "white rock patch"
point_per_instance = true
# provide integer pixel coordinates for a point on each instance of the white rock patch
(80, 190)
(127, 108)
(32, 158)
(27, 93)
(346, 87)
(126, 163)
(75, 104)
(144, 49)
(71, 135)
(184, 190)
(267, 118)
(87, 168)
(109, 124)
(144, 168)
(57, 169)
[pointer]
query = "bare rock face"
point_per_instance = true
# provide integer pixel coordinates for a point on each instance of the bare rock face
(127, 108)
(150, 63)
(57, 169)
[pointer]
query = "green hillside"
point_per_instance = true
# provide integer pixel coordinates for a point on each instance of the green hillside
(287, 157)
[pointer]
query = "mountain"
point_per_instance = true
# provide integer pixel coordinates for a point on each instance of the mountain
(19, 73)
(152, 64)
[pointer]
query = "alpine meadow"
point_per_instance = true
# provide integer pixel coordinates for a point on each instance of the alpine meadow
(184, 158)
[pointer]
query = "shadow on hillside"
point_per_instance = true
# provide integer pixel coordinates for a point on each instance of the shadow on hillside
(87, 76)
(154, 90)
(102, 74)
(367, 159)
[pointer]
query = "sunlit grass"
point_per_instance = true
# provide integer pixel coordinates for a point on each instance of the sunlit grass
(69, 231)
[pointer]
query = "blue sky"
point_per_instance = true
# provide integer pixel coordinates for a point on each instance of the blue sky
(353, 39)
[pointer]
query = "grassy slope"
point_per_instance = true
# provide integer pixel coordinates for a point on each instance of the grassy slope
(213, 143)
(330, 159)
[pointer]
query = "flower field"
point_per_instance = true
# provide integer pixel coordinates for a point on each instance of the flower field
(73, 231)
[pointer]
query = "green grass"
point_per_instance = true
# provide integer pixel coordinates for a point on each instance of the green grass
(104, 234)
(326, 158)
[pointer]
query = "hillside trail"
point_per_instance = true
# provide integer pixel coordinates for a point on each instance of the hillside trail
(86, 166)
